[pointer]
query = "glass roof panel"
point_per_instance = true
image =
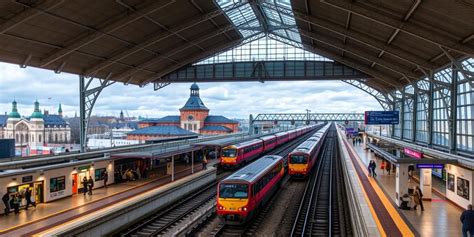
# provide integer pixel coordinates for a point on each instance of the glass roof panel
(278, 40)
(264, 48)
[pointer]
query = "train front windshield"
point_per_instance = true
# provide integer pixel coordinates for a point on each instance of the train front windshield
(233, 191)
(229, 153)
(298, 159)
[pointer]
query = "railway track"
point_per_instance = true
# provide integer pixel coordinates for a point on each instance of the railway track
(251, 228)
(322, 207)
(162, 221)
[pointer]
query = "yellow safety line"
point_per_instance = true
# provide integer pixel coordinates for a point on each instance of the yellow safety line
(401, 224)
(369, 203)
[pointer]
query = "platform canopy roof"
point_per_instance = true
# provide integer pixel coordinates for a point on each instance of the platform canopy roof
(139, 41)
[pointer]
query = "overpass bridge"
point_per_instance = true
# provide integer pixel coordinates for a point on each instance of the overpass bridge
(276, 118)
(302, 117)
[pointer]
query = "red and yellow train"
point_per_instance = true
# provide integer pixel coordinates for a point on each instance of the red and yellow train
(302, 159)
(242, 194)
(238, 154)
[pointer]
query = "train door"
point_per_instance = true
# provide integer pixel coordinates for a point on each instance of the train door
(80, 178)
(39, 192)
(74, 183)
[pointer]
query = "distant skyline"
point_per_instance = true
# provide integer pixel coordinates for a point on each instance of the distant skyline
(234, 100)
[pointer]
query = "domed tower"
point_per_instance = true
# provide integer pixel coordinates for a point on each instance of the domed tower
(194, 112)
(14, 114)
(13, 118)
(36, 126)
(60, 111)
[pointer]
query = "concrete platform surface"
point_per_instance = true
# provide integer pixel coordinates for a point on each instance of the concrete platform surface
(440, 217)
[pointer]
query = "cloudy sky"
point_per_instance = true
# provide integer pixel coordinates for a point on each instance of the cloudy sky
(234, 100)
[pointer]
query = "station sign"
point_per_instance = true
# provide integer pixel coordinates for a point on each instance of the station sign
(84, 168)
(412, 153)
(381, 117)
(429, 166)
(26, 179)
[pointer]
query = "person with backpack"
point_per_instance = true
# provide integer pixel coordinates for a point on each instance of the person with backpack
(374, 166)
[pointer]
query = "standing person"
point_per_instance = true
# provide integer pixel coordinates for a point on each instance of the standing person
(90, 185)
(421, 197)
(186, 159)
(370, 168)
(467, 220)
(6, 200)
(382, 166)
(84, 185)
(16, 203)
(374, 166)
(204, 163)
(28, 199)
(388, 167)
(105, 176)
(417, 198)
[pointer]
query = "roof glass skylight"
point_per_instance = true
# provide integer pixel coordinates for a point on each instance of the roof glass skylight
(277, 40)
(266, 48)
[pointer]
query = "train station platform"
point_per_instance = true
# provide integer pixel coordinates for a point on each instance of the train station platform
(46, 215)
(439, 218)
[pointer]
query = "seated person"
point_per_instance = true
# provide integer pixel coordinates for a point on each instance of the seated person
(405, 202)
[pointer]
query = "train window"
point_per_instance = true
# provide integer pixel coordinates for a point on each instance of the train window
(233, 190)
(229, 152)
(298, 159)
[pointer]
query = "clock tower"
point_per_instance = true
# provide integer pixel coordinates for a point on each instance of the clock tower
(194, 112)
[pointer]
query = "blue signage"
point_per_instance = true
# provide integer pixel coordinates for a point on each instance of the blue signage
(429, 166)
(381, 117)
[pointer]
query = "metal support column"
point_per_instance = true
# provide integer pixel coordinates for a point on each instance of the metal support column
(415, 113)
(172, 168)
(87, 97)
(392, 132)
(453, 118)
(430, 111)
(402, 116)
(192, 162)
(251, 129)
(82, 115)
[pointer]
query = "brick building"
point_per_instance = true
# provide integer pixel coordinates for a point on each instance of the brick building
(194, 118)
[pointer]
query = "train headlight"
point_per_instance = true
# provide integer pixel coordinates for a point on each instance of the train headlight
(220, 207)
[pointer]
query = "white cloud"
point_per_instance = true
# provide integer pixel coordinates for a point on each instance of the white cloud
(235, 100)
